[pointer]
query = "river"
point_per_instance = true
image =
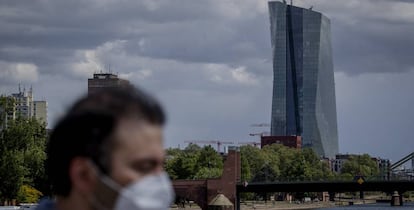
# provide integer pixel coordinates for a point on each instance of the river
(379, 206)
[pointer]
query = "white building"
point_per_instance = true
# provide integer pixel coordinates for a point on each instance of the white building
(26, 107)
(24, 103)
(40, 111)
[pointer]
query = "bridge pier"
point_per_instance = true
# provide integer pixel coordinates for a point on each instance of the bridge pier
(396, 199)
(361, 194)
(331, 196)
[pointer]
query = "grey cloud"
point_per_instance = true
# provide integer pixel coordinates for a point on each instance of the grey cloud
(176, 41)
(195, 32)
(369, 36)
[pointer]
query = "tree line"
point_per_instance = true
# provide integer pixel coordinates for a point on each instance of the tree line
(22, 156)
(23, 178)
(269, 164)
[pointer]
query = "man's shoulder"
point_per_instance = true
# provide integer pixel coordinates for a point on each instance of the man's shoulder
(46, 204)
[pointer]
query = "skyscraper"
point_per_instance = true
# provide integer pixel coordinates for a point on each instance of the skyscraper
(303, 101)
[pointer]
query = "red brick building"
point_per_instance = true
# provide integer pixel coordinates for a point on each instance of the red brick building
(289, 141)
(203, 191)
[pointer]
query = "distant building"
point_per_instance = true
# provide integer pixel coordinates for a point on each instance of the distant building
(288, 141)
(40, 111)
(303, 102)
(340, 159)
(384, 167)
(338, 162)
(105, 81)
(22, 104)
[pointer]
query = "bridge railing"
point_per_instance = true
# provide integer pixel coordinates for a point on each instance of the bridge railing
(335, 178)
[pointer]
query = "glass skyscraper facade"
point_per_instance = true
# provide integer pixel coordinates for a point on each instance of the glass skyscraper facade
(303, 101)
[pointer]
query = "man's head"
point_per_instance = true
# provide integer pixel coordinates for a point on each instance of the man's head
(116, 133)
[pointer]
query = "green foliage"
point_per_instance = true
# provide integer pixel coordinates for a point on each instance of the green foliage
(245, 169)
(208, 173)
(272, 163)
(362, 165)
(279, 163)
(209, 158)
(22, 154)
(12, 173)
(254, 158)
(194, 162)
(182, 166)
(7, 105)
(28, 194)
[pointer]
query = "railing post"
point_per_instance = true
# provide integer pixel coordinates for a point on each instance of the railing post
(237, 200)
(396, 199)
(331, 196)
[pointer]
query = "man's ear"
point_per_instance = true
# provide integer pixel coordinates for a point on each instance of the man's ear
(82, 175)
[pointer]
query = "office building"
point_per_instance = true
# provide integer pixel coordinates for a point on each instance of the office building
(303, 102)
(105, 81)
(22, 104)
(40, 111)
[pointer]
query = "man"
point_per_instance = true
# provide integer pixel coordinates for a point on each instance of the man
(107, 153)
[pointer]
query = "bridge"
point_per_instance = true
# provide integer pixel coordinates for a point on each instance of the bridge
(203, 191)
(328, 186)
(399, 186)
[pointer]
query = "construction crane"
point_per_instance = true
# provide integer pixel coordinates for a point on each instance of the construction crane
(265, 133)
(260, 125)
(254, 143)
(219, 143)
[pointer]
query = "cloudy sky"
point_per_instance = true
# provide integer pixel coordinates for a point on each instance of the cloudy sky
(209, 62)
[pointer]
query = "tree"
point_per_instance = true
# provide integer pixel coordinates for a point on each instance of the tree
(361, 165)
(192, 149)
(28, 194)
(279, 163)
(209, 158)
(7, 105)
(182, 166)
(208, 173)
(22, 155)
(254, 158)
(245, 169)
(12, 173)
(194, 162)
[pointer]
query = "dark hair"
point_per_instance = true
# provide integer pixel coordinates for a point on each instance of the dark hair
(87, 128)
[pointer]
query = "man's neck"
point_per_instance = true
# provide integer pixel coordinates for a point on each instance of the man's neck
(73, 201)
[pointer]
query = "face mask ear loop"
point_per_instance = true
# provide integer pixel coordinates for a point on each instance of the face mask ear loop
(105, 178)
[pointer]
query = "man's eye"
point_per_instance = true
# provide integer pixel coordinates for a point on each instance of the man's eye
(145, 166)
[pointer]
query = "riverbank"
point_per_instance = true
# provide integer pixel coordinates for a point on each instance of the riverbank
(287, 206)
(281, 205)
(277, 206)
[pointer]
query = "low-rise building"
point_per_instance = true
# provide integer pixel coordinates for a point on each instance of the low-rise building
(288, 141)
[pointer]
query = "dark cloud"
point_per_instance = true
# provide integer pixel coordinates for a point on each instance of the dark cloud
(208, 61)
(370, 36)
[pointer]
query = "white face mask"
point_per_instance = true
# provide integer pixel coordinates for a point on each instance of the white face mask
(153, 192)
